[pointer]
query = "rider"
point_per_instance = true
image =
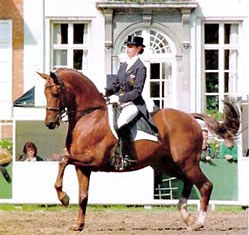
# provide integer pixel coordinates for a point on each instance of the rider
(126, 90)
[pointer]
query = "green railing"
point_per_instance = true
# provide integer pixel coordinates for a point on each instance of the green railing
(224, 176)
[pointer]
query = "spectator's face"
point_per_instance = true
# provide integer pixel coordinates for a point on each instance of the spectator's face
(204, 135)
(228, 143)
(30, 152)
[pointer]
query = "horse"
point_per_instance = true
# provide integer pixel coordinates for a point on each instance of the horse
(91, 143)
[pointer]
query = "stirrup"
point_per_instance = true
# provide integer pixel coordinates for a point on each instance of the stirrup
(125, 163)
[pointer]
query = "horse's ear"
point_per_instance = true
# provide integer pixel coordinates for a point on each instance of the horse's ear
(43, 75)
(55, 78)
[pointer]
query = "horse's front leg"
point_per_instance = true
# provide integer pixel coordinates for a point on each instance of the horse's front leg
(83, 180)
(62, 196)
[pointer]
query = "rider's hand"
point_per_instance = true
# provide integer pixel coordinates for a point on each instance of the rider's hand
(114, 99)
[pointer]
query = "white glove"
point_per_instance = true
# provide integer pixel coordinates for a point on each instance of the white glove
(114, 99)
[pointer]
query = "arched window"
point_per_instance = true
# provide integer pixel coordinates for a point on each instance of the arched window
(158, 43)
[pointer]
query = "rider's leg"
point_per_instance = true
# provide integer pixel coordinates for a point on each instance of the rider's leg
(128, 113)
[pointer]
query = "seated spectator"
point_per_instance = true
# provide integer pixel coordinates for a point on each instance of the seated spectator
(229, 149)
(30, 153)
(207, 152)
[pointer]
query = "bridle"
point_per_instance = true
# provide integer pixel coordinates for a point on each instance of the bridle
(64, 110)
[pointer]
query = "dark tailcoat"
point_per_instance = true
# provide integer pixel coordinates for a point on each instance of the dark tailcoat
(129, 86)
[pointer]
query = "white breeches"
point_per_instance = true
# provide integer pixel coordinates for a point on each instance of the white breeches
(128, 113)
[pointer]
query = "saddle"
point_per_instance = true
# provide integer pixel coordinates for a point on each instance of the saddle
(124, 155)
(139, 127)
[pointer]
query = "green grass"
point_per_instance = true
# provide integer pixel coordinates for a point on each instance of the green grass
(228, 208)
(28, 207)
(118, 208)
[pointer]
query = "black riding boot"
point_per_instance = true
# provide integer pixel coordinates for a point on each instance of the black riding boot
(126, 145)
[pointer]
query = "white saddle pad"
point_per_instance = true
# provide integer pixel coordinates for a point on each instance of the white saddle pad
(140, 135)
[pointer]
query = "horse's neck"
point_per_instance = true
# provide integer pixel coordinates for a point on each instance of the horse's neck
(81, 100)
(84, 102)
(80, 103)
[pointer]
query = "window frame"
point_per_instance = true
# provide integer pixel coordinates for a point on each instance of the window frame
(70, 46)
(221, 46)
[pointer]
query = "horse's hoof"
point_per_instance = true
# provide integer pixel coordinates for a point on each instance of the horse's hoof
(76, 228)
(190, 220)
(65, 200)
(195, 227)
(189, 228)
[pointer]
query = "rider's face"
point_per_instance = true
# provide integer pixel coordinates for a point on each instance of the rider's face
(132, 50)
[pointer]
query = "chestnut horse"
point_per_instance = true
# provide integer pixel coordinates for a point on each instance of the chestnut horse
(90, 141)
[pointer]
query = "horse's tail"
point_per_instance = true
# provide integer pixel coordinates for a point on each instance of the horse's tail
(229, 125)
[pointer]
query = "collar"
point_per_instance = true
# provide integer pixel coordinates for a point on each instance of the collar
(131, 61)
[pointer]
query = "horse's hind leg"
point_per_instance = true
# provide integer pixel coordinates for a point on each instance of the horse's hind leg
(196, 177)
(182, 204)
(205, 187)
(62, 196)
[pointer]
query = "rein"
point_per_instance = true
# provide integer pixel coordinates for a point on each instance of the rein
(52, 109)
(86, 111)
(83, 112)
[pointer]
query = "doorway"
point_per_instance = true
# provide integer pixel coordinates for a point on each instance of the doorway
(160, 59)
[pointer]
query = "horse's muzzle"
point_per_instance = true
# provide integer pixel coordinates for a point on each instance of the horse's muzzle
(52, 122)
(51, 125)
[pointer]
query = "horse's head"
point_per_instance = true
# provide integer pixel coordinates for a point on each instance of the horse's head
(56, 101)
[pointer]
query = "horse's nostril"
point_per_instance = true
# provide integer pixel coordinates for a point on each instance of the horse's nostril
(50, 125)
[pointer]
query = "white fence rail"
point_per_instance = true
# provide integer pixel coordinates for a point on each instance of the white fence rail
(33, 183)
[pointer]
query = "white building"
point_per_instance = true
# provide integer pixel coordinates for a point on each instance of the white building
(195, 54)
